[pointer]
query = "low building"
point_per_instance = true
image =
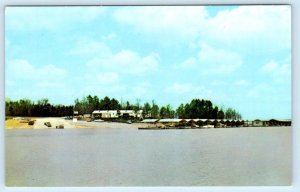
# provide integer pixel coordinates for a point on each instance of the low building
(105, 114)
(280, 122)
(131, 114)
(114, 114)
(260, 123)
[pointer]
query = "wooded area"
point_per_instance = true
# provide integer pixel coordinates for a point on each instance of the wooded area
(202, 109)
(28, 108)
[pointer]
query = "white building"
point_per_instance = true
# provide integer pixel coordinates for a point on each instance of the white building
(105, 114)
(131, 113)
(113, 114)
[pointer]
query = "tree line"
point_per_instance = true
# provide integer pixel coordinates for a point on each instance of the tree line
(197, 108)
(42, 108)
(202, 109)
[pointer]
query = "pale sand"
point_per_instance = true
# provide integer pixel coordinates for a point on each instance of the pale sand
(56, 121)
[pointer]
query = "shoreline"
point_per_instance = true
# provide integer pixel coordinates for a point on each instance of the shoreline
(61, 123)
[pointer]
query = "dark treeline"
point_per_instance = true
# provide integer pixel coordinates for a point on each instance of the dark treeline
(42, 108)
(203, 109)
(88, 104)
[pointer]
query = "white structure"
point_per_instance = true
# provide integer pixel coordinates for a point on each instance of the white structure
(150, 120)
(131, 113)
(105, 114)
(113, 114)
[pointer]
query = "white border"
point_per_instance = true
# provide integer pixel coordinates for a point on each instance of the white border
(296, 95)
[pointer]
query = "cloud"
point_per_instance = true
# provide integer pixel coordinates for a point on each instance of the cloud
(258, 90)
(211, 60)
(184, 88)
(141, 90)
(107, 78)
(189, 63)
(252, 25)
(219, 61)
(183, 21)
(126, 61)
(101, 56)
(241, 83)
(24, 80)
(48, 18)
(184, 92)
(22, 69)
(270, 67)
(260, 26)
(280, 72)
(86, 47)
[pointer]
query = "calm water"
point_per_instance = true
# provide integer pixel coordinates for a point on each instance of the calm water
(131, 157)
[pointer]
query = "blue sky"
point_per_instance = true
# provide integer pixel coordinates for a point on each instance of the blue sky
(235, 56)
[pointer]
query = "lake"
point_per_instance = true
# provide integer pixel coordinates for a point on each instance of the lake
(132, 157)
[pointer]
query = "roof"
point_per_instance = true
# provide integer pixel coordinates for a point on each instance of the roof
(282, 120)
(130, 111)
(150, 120)
(203, 120)
(171, 120)
(104, 111)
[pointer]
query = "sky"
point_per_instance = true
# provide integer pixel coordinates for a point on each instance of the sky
(235, 56)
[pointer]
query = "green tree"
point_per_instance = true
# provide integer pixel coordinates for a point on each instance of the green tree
(146, 110)
(154, 110)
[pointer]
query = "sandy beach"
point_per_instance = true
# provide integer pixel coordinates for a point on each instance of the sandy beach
(56, 121)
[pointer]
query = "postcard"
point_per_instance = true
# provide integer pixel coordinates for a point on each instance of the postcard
(195, 95)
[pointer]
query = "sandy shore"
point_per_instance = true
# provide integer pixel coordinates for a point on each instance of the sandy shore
(56, 121)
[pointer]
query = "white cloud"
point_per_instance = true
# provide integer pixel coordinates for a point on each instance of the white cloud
(271, 66)
(24, 80)
(211, 60)
(218, 83)
(184, 92)
(241, 82)
(86, 47)
(242, 27)
(109, 36)
(107, 78)
(126, 61)
(259, 90)
(267, 91)
(189, 63)
(218, 61)
(184, 21)
(22, 69)
(141, 90)
(180, 88)
(48, 18)
(252, 25)
(184, 88)
(281, 72)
